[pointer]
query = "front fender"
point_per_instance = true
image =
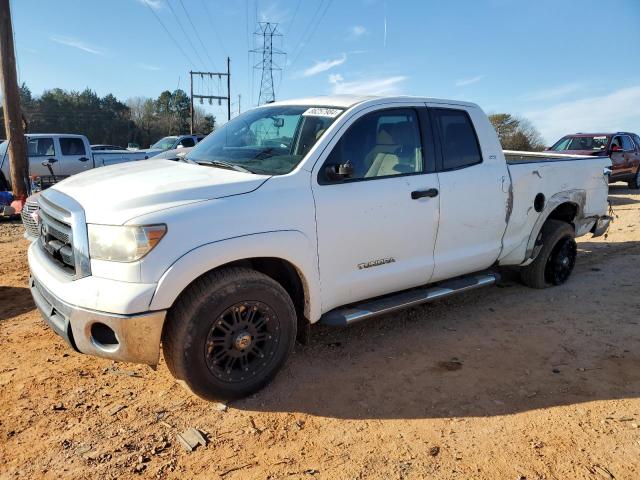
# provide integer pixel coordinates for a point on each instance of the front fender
(290, 245)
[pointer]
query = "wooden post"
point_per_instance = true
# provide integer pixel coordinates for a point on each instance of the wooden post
(11, 104)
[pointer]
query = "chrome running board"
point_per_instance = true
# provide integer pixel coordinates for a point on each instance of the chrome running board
(343, 316)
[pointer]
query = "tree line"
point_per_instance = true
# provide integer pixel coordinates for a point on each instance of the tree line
(143, 120)
(108, 120)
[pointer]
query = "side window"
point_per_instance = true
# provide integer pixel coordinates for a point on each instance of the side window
(460, 147)
(40, 147)
(627, 144)
(637, 139)
(380, 144)
(72, 146)
(187, 142)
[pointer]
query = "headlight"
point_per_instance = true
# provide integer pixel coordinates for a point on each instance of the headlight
(123, 243)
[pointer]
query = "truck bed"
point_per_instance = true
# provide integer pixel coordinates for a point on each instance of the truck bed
(514, 157)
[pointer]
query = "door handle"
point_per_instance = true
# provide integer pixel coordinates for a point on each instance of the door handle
(83, 159)
(432, 192)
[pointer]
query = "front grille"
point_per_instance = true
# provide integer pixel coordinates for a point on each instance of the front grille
(29, 217)
(56, 237)
(63, 242)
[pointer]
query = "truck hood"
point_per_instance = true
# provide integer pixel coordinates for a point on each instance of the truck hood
(115, 194)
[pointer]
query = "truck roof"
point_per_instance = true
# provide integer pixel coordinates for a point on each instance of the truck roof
(36, 135)
(348, 101)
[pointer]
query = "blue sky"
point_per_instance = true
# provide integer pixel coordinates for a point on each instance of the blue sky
(567, 65)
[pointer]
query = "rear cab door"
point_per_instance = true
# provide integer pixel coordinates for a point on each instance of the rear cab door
(43, 151)
(474, 190)
(75, 155)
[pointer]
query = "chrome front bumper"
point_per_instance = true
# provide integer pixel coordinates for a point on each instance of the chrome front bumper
(127, 338)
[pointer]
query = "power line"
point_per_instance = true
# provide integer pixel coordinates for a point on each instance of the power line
(195, 31)
(298, 45)
(213, 27)
(313, 31)
(195, 50)
(169, 34)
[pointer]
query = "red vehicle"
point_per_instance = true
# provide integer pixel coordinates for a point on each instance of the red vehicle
(622, 147)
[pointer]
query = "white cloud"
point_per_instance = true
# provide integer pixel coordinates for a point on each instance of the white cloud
(469, 81)
(358, 31)
(323, 66)
(75, 43)
(619, 110)
(551, 93)
(155, 4)
(151, 68)
(274, 12)
(369, 86)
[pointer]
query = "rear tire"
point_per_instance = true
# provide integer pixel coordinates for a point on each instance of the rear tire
(556, 259)
(229, 333)
(635, 183)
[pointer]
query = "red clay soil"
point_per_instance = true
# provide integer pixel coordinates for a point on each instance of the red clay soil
(500, 383)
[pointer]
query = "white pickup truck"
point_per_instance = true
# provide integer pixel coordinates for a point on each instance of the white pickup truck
(329, 209)
(61, 155)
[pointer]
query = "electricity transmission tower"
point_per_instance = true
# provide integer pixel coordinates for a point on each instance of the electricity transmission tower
(267, 30)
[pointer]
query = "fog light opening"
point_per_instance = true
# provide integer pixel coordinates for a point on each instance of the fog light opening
(104, 337)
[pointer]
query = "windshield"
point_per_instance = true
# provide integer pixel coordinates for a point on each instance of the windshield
(165, 143)
(595, 143)
(267, 140)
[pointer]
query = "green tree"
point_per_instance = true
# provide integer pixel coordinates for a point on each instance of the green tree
(516, 133)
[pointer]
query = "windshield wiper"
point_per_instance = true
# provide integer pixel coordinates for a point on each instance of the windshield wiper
(227, 165)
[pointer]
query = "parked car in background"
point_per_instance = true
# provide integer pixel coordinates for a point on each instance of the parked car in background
(55, 156)
(106, 147)
(622, 147)
(175, 154)
(173, 142)
(330, 209)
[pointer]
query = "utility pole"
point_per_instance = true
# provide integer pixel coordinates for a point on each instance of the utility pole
(267, 30)
(228, 89)
(12, 114)
(191, 103)
(239, 100)
(202, 97)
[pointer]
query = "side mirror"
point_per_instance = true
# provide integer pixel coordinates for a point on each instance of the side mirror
(180, 145)
(338, 173)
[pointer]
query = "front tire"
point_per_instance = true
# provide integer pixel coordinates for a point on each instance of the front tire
(229, 333)
(556, 259)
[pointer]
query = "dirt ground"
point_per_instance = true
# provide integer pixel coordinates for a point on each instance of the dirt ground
(500, 383)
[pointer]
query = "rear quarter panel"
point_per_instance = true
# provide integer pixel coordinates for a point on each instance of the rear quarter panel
(550, 179)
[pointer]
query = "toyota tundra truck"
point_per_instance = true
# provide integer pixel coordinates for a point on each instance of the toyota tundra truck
(329, 209)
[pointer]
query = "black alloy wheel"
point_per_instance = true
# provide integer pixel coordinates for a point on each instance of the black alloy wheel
(561, 261)
(241, 341)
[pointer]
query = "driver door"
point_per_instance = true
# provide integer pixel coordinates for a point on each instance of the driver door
(376, 228)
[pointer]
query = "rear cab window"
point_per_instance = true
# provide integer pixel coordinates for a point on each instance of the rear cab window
(458, 139)
(72, 146)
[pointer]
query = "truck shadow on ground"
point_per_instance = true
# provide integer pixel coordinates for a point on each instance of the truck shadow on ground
(619, 194)
(14, 301)
(490, 352)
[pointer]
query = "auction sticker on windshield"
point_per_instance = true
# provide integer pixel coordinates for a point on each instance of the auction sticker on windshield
(322, 112)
